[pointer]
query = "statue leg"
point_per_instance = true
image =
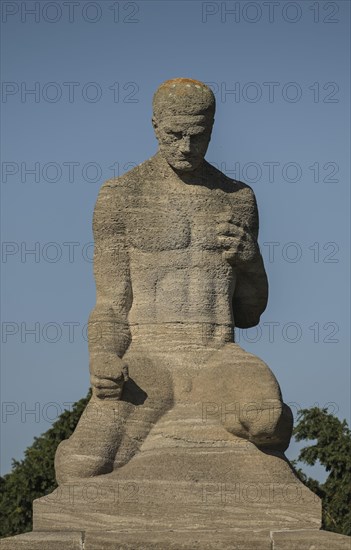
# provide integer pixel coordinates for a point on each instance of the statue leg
(246, 397)
(111, 431)
(150, 391)
(91, 449)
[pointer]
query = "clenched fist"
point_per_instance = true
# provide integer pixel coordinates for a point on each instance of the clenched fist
(239, 245)
(107, 385)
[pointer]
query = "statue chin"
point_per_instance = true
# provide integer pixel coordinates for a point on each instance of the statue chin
(184, 165)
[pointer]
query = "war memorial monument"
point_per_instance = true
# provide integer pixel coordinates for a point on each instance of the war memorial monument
(182, 443)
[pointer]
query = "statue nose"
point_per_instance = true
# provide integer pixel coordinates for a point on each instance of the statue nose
(185, 144)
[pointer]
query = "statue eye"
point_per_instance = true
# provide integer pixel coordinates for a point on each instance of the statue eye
(173, 136)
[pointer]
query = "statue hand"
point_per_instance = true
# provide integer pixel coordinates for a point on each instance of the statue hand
(239, 245)
(109, 386)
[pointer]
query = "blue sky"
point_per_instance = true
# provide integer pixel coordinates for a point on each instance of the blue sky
(280, 72)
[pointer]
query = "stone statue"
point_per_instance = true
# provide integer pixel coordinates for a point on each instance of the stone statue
(182, 443)
(177, 267)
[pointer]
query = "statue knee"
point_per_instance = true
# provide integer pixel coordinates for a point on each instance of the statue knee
(254, 395)
(268, 424)
(71, 465)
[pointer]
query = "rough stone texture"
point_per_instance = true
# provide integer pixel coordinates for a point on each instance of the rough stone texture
(236, 486)
(177, 266)
(309, 540)
(182, 444)
(177, 406)
(178, 540)
(154, 539)
(44, 541)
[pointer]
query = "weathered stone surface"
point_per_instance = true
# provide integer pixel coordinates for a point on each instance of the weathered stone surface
(177, 266)
(179, 410)
(178, 540)
(171, 539)
(232, 485)
(309, 540)
(44, 541)
(182, 444)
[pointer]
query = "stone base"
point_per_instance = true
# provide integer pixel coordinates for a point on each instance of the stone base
(309, 540)
(223, 496)
(306, 539)
(186, 489)
(45, 540)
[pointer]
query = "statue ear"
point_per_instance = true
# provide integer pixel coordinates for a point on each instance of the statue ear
(156, 127)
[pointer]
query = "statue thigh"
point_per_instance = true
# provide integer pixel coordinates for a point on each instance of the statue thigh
(246, 396)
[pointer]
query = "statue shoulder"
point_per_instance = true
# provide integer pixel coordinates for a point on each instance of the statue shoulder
(244, 200)
(116, 195)
(230, 185)
(240, 196)
(245, 192)
(120, 183)
(129, 183)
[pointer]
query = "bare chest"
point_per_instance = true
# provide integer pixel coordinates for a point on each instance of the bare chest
(175, 221)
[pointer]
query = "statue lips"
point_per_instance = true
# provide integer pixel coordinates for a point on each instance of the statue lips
(186, 158)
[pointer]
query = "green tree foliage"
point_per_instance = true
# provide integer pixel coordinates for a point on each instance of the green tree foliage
(332, 448)
(34, 476)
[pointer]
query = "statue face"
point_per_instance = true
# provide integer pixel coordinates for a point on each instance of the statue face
(183, 140)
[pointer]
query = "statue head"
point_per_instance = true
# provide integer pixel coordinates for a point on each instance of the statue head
(183, 115)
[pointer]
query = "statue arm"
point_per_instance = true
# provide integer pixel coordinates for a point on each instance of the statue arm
(251, 289)
(108, 328)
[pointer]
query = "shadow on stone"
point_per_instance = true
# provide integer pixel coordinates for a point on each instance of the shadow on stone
(132, 393)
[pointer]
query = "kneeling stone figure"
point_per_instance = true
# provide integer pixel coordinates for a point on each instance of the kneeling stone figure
(177, 267)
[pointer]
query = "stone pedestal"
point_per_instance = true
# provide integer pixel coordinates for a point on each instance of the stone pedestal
(223, 497)
(205, 488)
(305, 539)
(44, 540)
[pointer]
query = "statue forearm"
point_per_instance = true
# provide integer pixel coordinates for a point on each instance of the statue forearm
(251, 294)
(108, 333)
(109, 338)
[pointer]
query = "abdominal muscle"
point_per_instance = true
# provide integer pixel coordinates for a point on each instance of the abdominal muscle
(181, 300)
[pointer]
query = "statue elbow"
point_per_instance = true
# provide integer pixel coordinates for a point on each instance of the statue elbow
(247, 322)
